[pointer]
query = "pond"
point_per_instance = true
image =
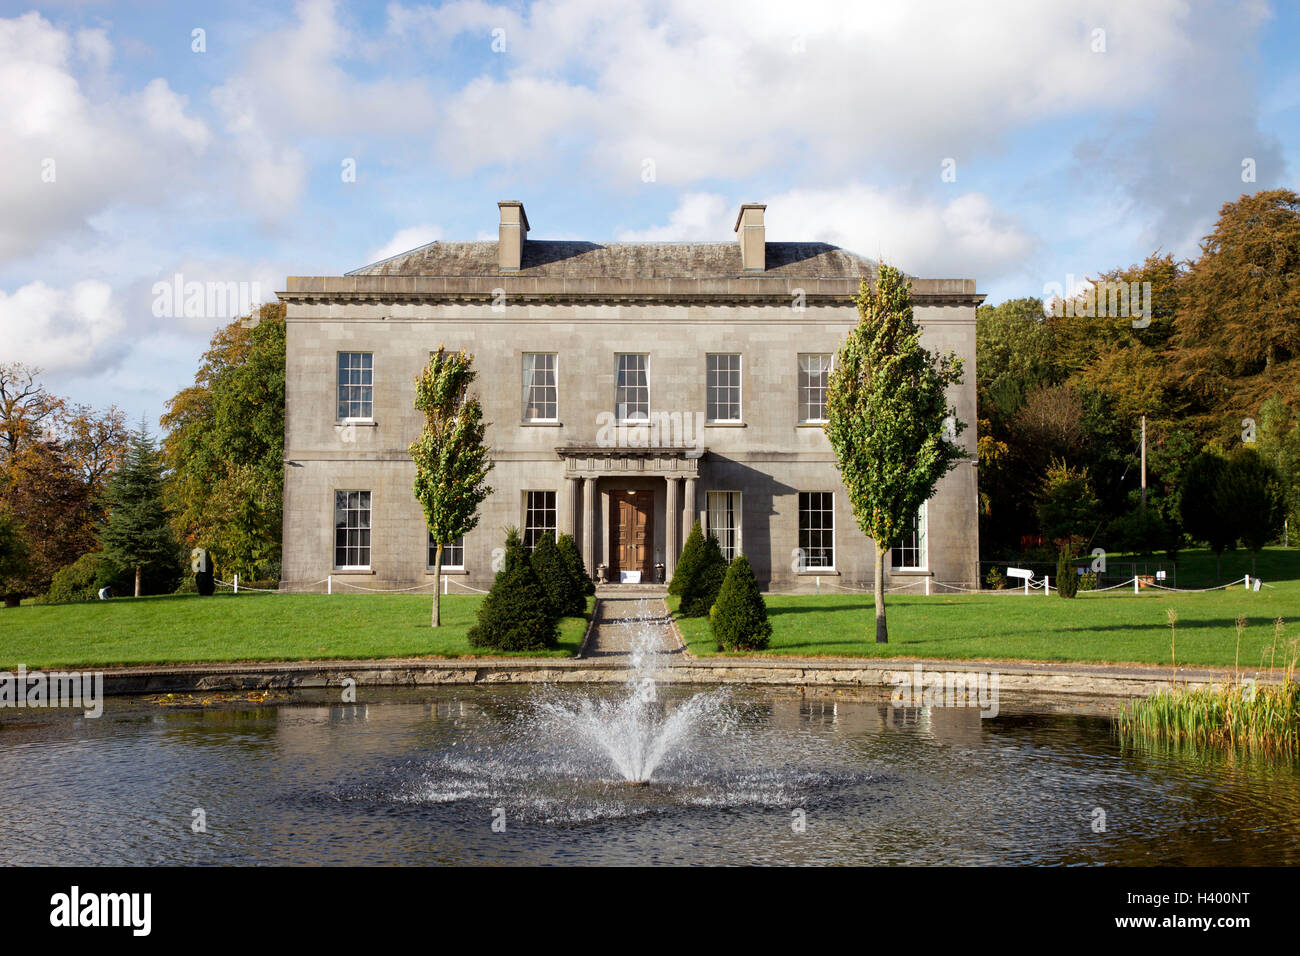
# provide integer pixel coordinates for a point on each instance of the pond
(491, 775)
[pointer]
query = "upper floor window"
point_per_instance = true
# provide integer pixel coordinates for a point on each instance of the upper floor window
(816, 530)
(910, 551)
(539, 517)
(814, 372)
(356, 385)
(632, 388)
(351, 529)
(453, 554)
(723, 388)
(541, 399)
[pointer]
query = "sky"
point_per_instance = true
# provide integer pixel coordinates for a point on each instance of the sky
(1016, 142)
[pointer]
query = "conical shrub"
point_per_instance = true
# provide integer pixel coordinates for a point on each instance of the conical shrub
(690, 557)
(516, 615)
(1067, 582)
(701, 587)
(573, 560)
(557, 580)
(739, 616)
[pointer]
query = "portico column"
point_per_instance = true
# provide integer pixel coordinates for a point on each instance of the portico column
(672, 523)
(589, 525)
(568, 516)
(688, 509)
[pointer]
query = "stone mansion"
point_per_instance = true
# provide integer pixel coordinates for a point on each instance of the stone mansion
(631, 389)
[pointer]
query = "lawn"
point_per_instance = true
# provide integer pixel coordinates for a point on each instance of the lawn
(1118, 627)
(186, 628)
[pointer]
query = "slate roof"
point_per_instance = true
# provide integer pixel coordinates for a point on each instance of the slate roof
(643, 260)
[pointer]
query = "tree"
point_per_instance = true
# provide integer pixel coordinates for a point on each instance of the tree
(224, 447)
(14, 562)
(1279, 445)
(1250, 495)
(51, 504)
(562, 590)
(1067, 507)
(516, 614)
(138, 534)
(1202, 506)
(573, 560)
(886, 410)
(451, 458)
(26, 408)
(739, 616)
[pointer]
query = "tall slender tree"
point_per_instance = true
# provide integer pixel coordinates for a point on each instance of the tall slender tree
(451, 457)
(886, 409)
(138, 534)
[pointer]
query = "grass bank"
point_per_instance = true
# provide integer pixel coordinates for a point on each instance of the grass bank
(1115, 627)
(186, 628)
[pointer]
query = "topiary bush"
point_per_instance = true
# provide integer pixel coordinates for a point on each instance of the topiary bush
(739, 616)
(562, 590)
(1067, 581)
(516, 615)
(690, 557)
(573, 559)
(700, 588)
(995, 579)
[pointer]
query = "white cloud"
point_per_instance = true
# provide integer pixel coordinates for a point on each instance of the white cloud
(68, 154)
(699, 217)
(405, 240)
(964, 238)
(61, 330)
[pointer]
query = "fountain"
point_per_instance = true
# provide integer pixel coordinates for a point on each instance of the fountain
(635, 732)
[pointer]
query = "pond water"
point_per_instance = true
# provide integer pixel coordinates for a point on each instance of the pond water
(490, 775)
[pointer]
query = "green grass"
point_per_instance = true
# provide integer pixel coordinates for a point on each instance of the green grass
(1114, 627)
(187, 628)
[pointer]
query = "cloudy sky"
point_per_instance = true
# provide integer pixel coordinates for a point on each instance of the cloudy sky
(1013, 141)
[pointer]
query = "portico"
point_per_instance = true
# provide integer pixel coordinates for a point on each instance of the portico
(631, 508)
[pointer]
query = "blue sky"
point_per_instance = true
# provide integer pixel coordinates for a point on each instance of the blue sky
(1083, 136)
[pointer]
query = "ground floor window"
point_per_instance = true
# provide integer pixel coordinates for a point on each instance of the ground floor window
(539, 517)
(453, 554)
(909, 552)
(352, 529)
(817, 530)
(724, 521)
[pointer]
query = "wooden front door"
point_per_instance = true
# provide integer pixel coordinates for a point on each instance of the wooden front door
(631, 533)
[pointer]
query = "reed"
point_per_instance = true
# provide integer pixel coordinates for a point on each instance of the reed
(1240, 714)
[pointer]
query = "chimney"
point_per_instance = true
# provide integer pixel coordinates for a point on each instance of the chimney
(752, 236)
(514, 229)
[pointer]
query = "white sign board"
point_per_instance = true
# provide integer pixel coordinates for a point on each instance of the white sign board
(630, 577)
(1019, 573)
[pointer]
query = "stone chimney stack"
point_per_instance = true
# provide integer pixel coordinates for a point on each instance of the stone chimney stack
(752, 236)
(513, 232)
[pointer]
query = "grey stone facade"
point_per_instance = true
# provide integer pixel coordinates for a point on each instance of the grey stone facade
(585, 304)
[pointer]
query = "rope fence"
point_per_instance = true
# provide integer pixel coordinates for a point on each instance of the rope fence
(919, 587)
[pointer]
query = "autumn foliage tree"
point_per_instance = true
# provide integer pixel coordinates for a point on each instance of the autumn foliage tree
(224, 447)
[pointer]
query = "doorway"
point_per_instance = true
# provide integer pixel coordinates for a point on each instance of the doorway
(631, 534)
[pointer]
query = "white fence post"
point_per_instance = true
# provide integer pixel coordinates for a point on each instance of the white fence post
(329, 584)
(1135, 582)
(927, 586)
(1047, 585)
(236, 583)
